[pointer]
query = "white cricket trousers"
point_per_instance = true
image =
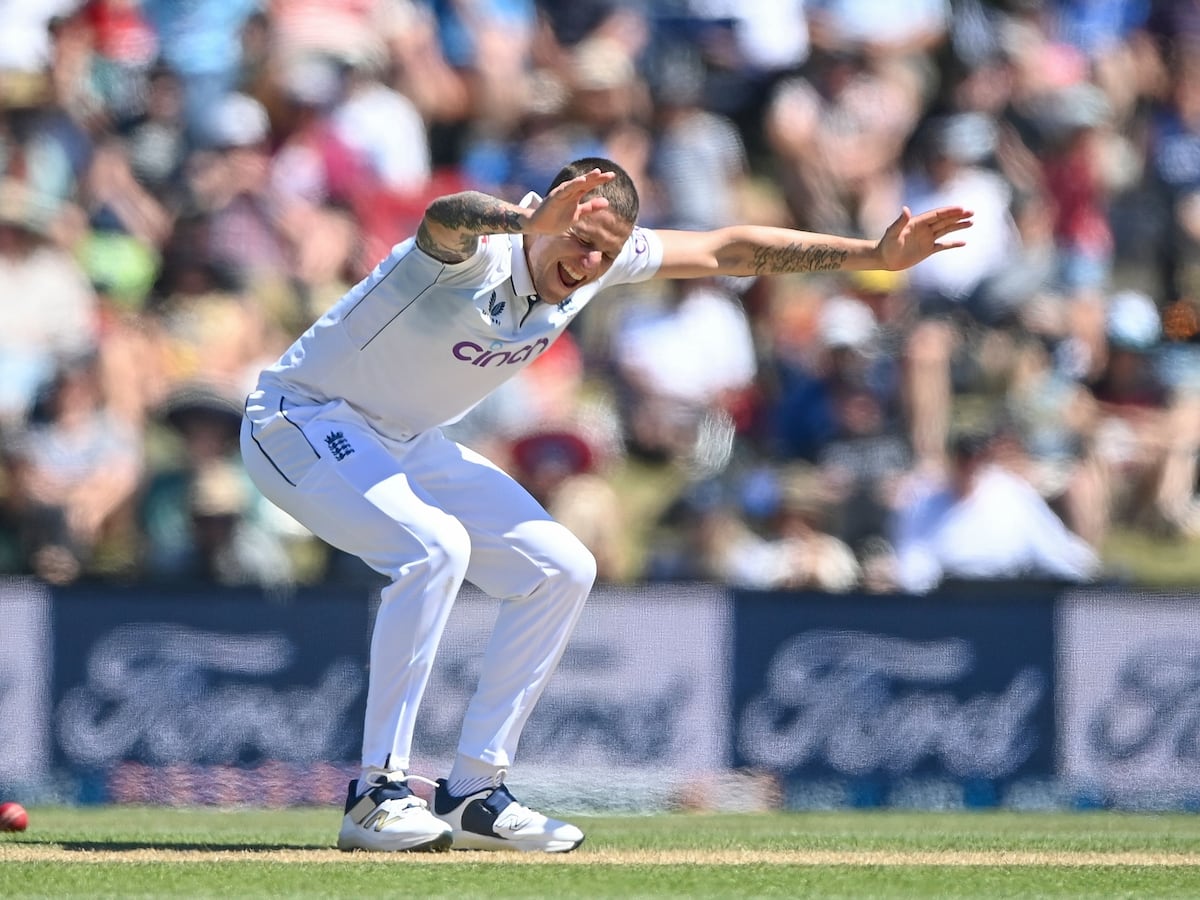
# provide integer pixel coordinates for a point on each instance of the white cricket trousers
(427, 513)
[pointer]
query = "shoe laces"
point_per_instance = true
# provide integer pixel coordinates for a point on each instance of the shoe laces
(397, 782)
(401, 778)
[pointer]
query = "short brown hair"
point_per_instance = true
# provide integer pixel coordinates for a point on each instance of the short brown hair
(621, 193)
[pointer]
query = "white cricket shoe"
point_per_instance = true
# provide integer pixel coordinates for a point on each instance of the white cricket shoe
(389, 818)
(492, 819)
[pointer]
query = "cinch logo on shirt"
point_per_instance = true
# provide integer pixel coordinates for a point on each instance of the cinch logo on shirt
(469, 351)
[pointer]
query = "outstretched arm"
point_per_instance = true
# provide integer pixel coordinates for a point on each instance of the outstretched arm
(763, 250)
(452, 225)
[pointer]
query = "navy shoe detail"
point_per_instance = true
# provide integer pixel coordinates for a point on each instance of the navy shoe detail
(492, 819)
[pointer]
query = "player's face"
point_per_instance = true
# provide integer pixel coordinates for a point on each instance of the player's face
(561, 264)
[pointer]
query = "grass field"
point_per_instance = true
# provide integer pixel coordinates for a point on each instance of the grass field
(160, 852)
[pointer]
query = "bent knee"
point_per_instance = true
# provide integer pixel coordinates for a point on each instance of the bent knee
(448, 544)
(438, 546)
(576, 563)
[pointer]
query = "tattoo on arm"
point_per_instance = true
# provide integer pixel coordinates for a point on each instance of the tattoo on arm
(464, 217)
(797, 258)
(476, 213)
(447, 253)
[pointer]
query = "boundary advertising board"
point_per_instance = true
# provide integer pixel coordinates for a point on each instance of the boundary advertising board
(866, 695)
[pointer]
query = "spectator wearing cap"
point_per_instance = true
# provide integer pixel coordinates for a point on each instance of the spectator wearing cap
(855, 436)
(887, 297)
(245, 218)
(563, 27)
(981, 521)
(122, 271)
(603, 81)
(702, 536)
(1111, 36)
(611, 101)
(812, 371)
(1134, 329)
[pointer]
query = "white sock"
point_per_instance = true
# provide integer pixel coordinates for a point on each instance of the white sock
(469, 775)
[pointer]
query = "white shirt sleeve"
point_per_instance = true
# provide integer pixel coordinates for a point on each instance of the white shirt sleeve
(639, 260)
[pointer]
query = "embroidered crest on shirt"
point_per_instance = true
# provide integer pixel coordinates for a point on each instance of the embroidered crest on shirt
(495, 308)
(338, 445)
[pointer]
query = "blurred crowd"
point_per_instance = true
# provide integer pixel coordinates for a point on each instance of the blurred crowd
(186, 184)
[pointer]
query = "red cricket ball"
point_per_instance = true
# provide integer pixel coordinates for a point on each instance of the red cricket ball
(13, 817)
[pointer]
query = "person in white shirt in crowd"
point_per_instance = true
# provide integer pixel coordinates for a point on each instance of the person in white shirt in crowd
(956, 158)
(343, 433)
(982, 521)
(680, 364)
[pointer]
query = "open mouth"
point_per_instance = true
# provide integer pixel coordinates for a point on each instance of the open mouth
(567, 278)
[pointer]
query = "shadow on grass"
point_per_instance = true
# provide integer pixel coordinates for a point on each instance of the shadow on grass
(177, 846)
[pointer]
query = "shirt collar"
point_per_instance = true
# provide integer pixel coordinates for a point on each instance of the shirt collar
(522, 280)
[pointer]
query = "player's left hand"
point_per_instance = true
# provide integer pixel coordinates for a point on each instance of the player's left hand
(911, 239)
(565, 205)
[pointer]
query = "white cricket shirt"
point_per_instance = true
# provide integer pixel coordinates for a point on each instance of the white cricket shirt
(418, 342)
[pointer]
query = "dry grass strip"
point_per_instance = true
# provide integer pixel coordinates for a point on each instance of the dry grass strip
(28, 852)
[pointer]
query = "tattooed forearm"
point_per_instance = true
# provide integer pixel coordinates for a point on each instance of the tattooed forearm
(452, 225)
(476, 213)
(797, 258)
(458, 248)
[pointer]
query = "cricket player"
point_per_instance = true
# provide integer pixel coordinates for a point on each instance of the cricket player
(343, 433)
